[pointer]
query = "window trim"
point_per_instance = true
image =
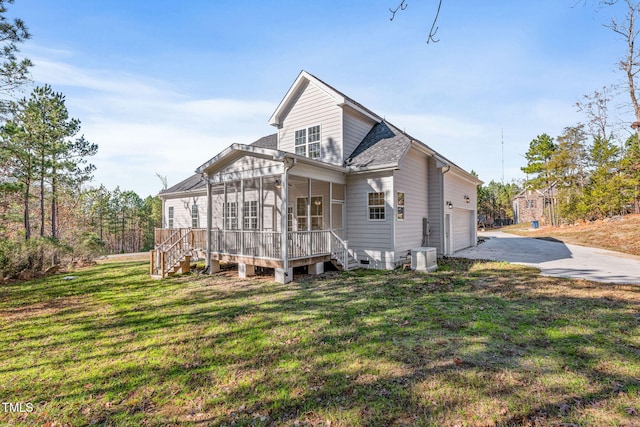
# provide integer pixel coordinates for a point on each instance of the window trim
(306, 143)
(247, 215)
(230, 222)
(383, 206)
(170, 216)
(196, 217)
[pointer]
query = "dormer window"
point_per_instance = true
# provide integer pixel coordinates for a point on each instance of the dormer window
(308, 142)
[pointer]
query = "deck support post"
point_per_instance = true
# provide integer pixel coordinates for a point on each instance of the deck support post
(317, 268)
(283, 276)
(246, 270)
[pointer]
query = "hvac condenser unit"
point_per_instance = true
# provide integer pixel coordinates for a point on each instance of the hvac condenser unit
(424, 259)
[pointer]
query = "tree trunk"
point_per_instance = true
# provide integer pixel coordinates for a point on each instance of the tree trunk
(54, 206)
(27, 222)
(42, 203)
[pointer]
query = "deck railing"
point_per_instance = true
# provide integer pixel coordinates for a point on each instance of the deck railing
(172, 244)
(267, 244)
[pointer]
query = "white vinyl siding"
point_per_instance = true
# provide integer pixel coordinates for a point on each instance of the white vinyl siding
(312, 108)
(412, 180)
(369, 240)
(356, 127)
(182, 208)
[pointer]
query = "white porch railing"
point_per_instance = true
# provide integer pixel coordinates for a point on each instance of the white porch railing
(267, 244)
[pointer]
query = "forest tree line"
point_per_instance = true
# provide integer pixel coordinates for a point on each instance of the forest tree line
(49, 213)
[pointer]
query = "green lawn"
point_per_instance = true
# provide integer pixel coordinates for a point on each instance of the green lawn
(472, 344)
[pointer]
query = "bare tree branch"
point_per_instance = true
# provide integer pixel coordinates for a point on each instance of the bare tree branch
(401, 6)
(434, 29)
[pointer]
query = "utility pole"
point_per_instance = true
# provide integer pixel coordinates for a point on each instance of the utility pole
(502, 156)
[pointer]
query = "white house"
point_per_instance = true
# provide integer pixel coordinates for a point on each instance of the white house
(336, 183)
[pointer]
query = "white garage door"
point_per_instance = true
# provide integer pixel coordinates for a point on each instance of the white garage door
(462, 229)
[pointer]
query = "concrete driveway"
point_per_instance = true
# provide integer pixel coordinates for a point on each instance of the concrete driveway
(557, 258)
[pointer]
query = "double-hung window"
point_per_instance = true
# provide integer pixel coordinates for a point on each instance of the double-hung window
(170, 217)
(195, 217)
(307, 142)
(375, 204)
(400, 207)
(231, 216)
(251, 215)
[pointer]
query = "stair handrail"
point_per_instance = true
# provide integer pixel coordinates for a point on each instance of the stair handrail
(173, 254)
(344, 249)
(167, 251)
(172, 238)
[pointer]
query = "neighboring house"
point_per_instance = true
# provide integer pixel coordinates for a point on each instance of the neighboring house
(531, 204)
(336, 183)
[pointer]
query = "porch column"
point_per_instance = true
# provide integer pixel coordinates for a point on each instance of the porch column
(241, 214)
(309, 245)
(209, 224)
(330, 206)
(285, 274)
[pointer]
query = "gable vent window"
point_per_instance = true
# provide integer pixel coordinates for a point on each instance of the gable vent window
(307, 142)
(531, 204)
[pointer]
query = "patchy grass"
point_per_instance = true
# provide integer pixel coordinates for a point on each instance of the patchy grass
(474, 344)
(620, 235)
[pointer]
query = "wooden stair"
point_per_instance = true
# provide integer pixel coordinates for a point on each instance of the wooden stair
(173, 255)
(340, 256)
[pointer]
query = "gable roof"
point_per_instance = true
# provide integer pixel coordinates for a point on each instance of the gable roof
(196, 183)
(301, 82)
(384, 145)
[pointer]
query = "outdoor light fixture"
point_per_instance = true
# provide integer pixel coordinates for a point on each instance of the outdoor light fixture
(467, 199)
(450, 205)
(317, 202)
(278, 183)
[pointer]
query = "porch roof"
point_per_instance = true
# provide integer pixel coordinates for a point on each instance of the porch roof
(238, 151)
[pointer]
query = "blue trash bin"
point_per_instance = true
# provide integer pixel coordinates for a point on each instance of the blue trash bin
(534, 224)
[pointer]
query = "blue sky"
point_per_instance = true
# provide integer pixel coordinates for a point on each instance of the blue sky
(164, 86)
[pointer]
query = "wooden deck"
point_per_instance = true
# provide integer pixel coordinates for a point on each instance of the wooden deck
(251, 247)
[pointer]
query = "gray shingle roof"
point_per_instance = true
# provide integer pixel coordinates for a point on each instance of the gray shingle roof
(383, 145)
(195, 182)
(269, 141)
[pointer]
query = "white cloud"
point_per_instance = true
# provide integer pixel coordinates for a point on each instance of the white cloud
(144, 126)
